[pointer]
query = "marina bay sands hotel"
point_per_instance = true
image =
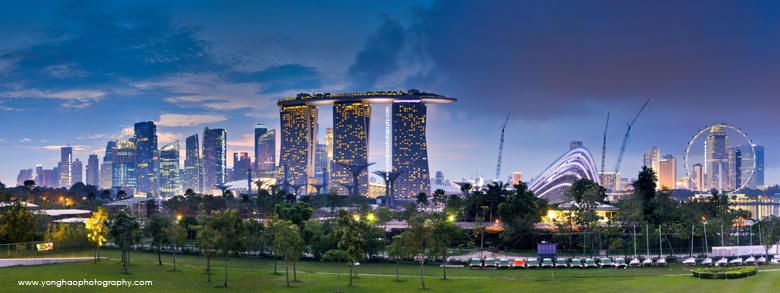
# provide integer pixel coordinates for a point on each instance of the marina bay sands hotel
(404, 126)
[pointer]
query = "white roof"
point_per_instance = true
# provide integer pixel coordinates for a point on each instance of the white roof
(55, 213)
(29, 205)
(72, 220)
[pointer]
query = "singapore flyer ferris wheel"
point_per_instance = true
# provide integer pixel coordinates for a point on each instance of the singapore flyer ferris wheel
(720, 157)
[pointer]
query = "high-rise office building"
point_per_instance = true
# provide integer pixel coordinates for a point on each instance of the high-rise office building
(106, 169)
(260, 130)
(66, 167)
(46, 178)
(667, 172)
(321, 162)
(717, 158)
(169, 170)
(575, 143)
(24, 175)
(351, 128)
(609, 180)
(517, 178)
(266, 156)
(410, 151)
(78, 172)
(124, 168)
(299, 139)
(439, 179)
(651, 158)
(146, 149)
(329, 145)
(192, 165)
(241, 165)
(759, 174)
(735, 168)
(57, 175)
(214, 159)
(698, 178)
(93, 170)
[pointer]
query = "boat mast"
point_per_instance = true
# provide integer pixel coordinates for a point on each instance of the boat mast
(692, 240)
(634, 240)
(706, 251)
(660, 244)
(647, 238)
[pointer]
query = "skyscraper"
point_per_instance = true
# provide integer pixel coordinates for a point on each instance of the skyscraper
(124, 168)
(698, 178)
(410, 151)
(329, 145)
(299, 139)
(575, 143)
(214, 159)
(241, 165)
(651, 157)
(46, 178)
(93, 170)
(169, 169)
(78, 172)
(192, 165)
(260, 129)
(106, 169)
(24, 175)
(146, 148)
(517, 178)
(735, 168)
(66, 167)
(759, 149)
(266, 158)
(667, 172)
(351, 127)
(439, 180)
(717, 158)
(321, 162)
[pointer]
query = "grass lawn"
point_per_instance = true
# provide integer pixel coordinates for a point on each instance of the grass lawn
(256, 275)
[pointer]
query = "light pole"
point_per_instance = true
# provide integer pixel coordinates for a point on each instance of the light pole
(174, 241)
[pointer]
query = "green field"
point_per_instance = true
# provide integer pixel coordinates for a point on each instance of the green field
(256, 275)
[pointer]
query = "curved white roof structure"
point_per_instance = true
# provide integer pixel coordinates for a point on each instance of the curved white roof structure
(555, 180)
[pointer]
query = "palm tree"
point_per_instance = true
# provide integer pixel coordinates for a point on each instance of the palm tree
(439, 197)
(496, 195)
(91, 196)
(189, 192)
(422, 199)
(105, 194)
(121, 194)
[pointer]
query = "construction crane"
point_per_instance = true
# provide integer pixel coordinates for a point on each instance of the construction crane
(625, 139)
(501, 148)
(604, 146)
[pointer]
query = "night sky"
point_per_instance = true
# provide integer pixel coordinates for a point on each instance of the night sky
(82, 72)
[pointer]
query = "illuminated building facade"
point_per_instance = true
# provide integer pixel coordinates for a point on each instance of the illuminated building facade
(410, 151)
(698, 178)
(66, 167)
(24, 175)
(146, 149)
(652, 157)
(517, 178)
(298, 117)
(575, 143)
(554, 181)
(214, 159)
(106, 169)
(46, 178)
(123, 173)
(93, 170)
(170, 184)
(351, 126)
(717, 158)
(610, 180)
(667, 172)
(735, 168)
(321, 163)
(299, 140)
(192, 167)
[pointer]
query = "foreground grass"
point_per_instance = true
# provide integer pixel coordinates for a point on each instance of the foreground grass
(256, 275)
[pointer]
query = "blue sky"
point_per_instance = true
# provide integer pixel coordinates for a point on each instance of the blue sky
(82, 72)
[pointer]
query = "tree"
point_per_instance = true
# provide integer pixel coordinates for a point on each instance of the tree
(444, 232)
(269, 238)
(383, 215)
(439, 197)
(350, 234)
(105, 194)
(398, 250)
(121, 194)
(96, 225)
(189, 192)
(18, 224)
(288, 243)
(207, 239)
(422, 199)
(770, 232)
(333, 201)
(231, 231)
(176, 235)
(644, 189)
(91, 196)
(245, 199)
(297, 213)
(155, 228)
(29, 184)
(418, 239)
(124, 231)
(189, 222)
(521, 211)
(337, 256)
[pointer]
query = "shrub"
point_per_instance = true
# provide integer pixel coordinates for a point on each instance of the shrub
(724, 273)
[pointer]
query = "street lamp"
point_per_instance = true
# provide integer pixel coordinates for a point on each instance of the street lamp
(174, 241)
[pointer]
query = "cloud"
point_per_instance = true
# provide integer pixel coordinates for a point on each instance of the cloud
(247, 140)
(379, 55)
(124, 132)
(70, 95)
(164, 138)
(175, 120)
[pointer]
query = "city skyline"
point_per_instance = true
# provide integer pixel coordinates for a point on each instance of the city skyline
(687, 88)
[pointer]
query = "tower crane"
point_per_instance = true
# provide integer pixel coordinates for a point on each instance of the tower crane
(501, 147)
(604, 146)
(625, 139)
